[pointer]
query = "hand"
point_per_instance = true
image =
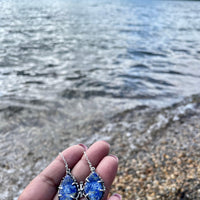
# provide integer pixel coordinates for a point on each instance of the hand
(45, 185)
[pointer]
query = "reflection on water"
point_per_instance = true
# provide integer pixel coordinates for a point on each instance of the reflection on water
(66, 67)
(128, 50)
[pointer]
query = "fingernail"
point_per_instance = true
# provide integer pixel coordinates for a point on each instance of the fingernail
(114, 157)
(82, 145)
(118, 196)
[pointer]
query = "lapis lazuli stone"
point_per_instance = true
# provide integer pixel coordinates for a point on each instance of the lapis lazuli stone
(68, 190)
(94, 189)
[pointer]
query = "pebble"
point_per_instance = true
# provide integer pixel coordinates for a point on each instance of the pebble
(163, 170)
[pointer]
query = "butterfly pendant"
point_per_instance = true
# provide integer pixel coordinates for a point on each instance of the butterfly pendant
(92, 189)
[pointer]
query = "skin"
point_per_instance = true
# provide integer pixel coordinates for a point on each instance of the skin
(45, 185)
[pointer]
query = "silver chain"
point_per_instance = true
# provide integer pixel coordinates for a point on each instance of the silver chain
(67, 167)
(89, 163)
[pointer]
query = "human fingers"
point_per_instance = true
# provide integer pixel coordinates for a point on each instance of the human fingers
(107, 170)
(45, 185)
(115, 197)
(106, 166)
(95, 153)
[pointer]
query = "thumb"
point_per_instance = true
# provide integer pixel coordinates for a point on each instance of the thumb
(115, 197)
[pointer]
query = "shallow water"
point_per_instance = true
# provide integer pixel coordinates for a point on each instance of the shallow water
(68, 68)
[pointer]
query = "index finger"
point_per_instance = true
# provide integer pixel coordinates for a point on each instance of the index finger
(45, 185)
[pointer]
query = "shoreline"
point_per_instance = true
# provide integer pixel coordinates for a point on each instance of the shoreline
(168, 165)
(158, 149)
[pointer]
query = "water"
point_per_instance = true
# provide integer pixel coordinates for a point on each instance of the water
(67, 67)
(107, 53)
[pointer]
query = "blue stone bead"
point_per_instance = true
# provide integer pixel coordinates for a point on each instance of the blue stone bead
(92, 187)
(68, 191)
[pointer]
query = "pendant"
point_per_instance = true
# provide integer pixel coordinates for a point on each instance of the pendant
(92, 189)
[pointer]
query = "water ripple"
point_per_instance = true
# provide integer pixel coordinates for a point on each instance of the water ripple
(98, 49)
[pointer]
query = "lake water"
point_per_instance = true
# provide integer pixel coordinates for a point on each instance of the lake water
(98, 54)
(65, 63)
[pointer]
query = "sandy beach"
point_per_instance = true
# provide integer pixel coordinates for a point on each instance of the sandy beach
(167, 165)
(158, 149)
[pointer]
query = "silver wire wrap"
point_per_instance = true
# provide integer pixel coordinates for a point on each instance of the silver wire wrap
(89, 163)
(66, 165)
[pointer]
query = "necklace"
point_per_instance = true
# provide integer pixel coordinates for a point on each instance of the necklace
(92, 189)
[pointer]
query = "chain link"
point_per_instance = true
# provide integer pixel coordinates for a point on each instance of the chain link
(66, 165)
(89, 163)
